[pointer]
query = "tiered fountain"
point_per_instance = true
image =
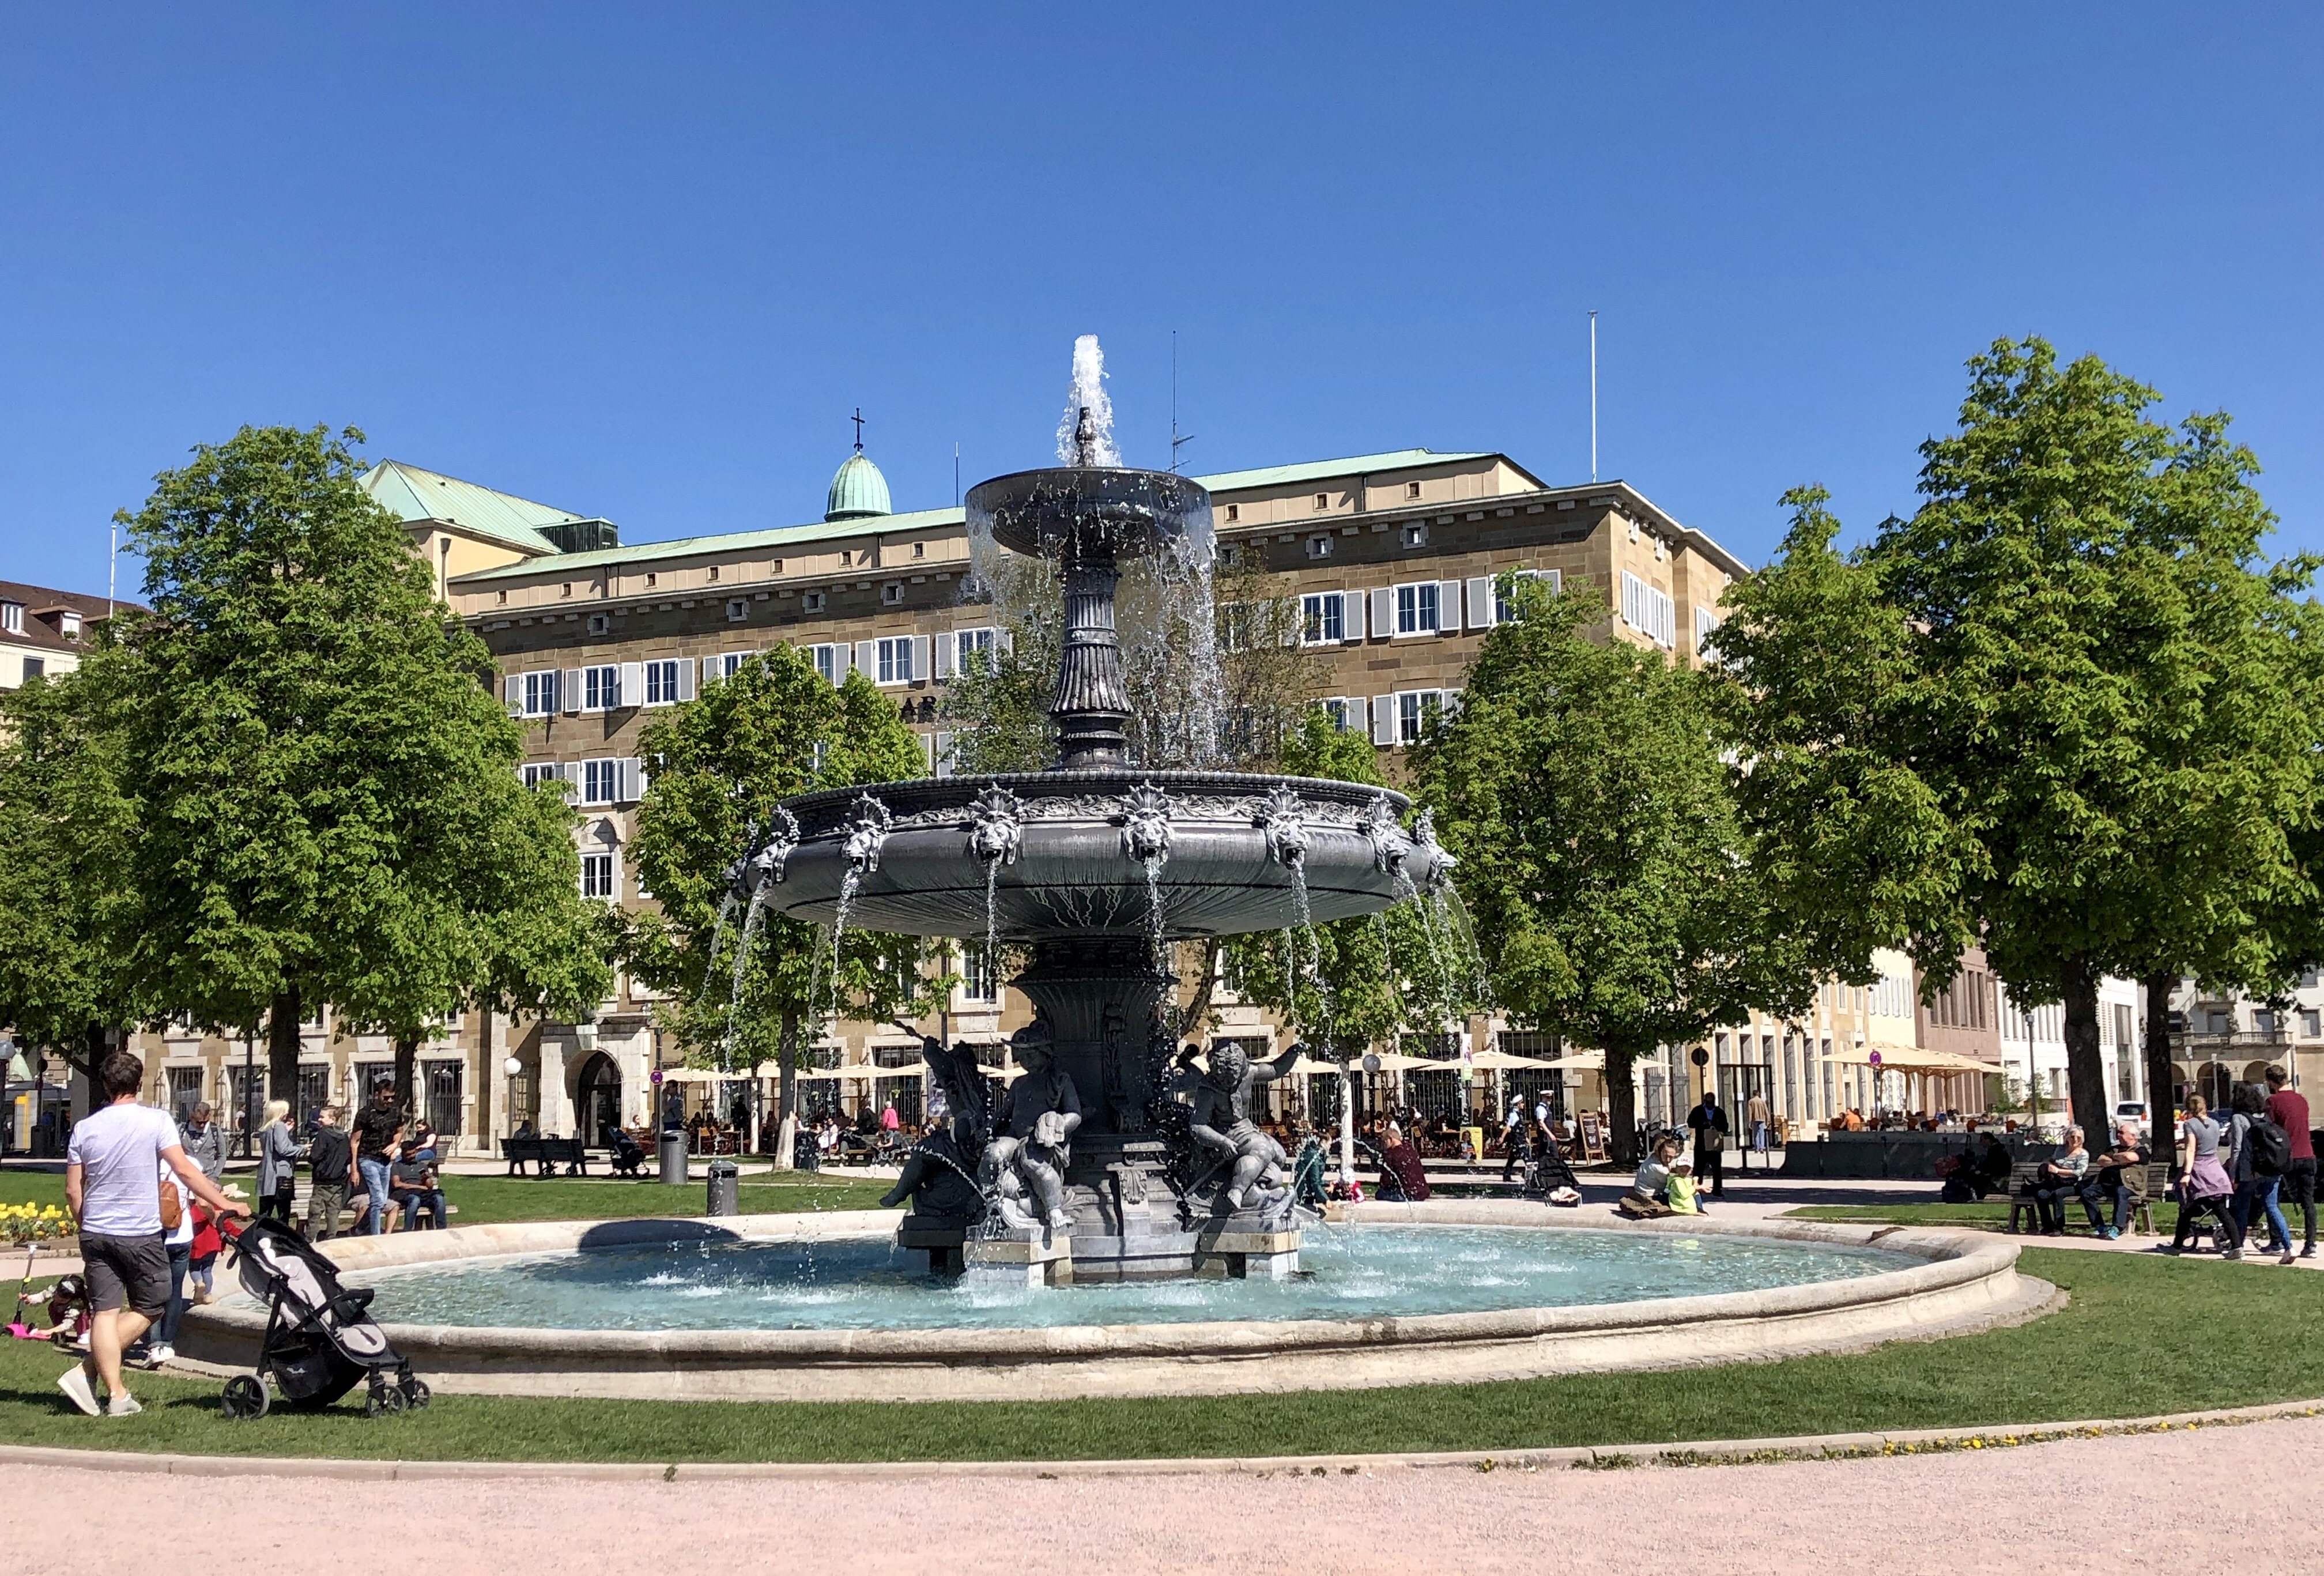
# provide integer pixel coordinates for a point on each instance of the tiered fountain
(1095, 867)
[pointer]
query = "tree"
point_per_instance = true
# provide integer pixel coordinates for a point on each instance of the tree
(67, 836)
(719, 765)
(2059, 712)
(1608, 871)
(328, 801)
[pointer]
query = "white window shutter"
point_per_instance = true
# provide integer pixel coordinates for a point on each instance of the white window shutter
(1451, 703)
(941, 752)
(1004, 640)
(512, 694)
(1383, 612)
(568, 772)
(867, 658)
(947, 651)
(920, 657)
(1448, 607)
(1481, 601)
(568, 689)
(685, 680)
(1383, 718)
(630, 787)
(713, 668)
(632, 688)
(1556, 578)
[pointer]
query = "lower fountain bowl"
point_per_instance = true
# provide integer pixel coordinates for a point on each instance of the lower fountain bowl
(1073, 873)
(1855, 1286)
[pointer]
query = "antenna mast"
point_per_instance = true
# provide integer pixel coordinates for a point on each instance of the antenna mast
(1593, 396)
(1175, 441)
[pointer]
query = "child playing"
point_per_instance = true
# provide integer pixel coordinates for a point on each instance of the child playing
(1678, 1191)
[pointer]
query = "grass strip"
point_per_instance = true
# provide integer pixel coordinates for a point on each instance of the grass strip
(1974, 1217)
(2144, 1335)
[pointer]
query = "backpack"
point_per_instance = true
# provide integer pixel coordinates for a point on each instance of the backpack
(2271, 1148)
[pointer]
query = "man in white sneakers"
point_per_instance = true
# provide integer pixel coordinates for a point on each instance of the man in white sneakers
(112, 1182)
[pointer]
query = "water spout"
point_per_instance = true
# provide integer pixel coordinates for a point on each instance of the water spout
(1085, 431)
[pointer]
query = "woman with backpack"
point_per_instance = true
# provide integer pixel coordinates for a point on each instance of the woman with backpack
(2265, 1156)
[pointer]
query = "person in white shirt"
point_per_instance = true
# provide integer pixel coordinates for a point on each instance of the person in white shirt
(113, 1168)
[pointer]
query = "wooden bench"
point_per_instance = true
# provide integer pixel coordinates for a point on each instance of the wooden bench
(545, 1152)
(2026, 1173)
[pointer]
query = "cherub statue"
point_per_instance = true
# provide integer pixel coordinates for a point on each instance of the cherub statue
(1034, 1144)
(939, 1175)
(1222, 1124)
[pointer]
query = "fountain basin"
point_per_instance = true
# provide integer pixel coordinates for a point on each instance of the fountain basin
(1080, 511)
(1930, 1282)
(1073, 874)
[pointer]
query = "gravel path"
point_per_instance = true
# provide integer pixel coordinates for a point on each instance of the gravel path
(2146, 1503)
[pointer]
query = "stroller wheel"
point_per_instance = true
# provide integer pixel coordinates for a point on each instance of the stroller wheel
(416, 1394)
(242, 1398)
(385, 1401)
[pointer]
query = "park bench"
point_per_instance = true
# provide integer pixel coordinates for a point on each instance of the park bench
(545, 1152)
(2025, 1174)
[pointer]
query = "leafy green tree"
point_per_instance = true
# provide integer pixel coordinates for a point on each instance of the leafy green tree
(719, 764)
(68, 833)
(327, 802)
(1608, 871)
(2063, 711)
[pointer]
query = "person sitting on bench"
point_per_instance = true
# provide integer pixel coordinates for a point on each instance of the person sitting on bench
(2120, 1177)
(413, 1184)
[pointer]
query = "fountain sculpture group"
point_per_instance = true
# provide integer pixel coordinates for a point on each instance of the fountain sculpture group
(1109, 1157)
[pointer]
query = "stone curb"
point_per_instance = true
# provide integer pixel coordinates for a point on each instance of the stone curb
(1701, 1454)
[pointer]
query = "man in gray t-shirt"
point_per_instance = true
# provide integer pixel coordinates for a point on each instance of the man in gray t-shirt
(113, 1182)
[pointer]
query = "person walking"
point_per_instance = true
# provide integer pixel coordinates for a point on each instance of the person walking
(2266, 1156)
(2288, 1108)
(203, 1141)
(112, 1163)
(378, 1135)
(278, 1153)
(2205, 1185)
(1512, 1138)
(1755, 1123)
(162, 1345)
(1708, 1122)
(330, 1161)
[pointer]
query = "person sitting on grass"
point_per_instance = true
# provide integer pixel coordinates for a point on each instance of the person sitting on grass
(413, 1184)
(1644, 1202)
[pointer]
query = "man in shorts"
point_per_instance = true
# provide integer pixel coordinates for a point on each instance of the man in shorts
(113, 1168)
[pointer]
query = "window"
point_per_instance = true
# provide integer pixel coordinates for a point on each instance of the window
(1319, 547)
(663, 687)
(896, 660)
(601, 623)
(1416, 533)
(1504, 610)
(714, 573)
(830, 661)
(566, 590)
(1323, 501)
(539, 696)
(1322, 619)
(1231, 556)
(919, 549)
(1648, 611)
(846, 557)
(813, 601)
(1417, 608)
(776, 567)
(725, 664)
(597, 876)
(503, 599)
(1412, 489)
(2310, 1025)
(1340, 709)
(601, 688)
(600, 781)
(34, 667)
(955, 652)
(979, 981)
(69, 625)
(1706, 625)
(651, 579)
(12, 617)
(1234, 512)
(1417, 710)
(892, 594)
(536, 772)
(737, 610)
(442, 1083)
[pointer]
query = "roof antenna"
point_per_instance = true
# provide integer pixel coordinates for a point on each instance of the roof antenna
(1593, 396)
(955, 475)
(859, 428)
(1174, 439)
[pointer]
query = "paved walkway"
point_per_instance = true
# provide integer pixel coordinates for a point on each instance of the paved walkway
(2128, 1505)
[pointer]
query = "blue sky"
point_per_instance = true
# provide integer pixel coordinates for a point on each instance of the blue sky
(644, 262)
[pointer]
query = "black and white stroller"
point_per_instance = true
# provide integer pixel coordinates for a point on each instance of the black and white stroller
(320, 1342)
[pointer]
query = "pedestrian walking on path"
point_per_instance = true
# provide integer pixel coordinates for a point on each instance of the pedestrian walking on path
(1708, 1122)
(2289, 1108)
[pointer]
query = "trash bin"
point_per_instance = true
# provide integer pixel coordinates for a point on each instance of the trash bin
(804, 1156)
(673, 1156)
(724, 1198)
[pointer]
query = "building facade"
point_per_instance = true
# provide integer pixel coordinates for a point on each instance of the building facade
(42, 631)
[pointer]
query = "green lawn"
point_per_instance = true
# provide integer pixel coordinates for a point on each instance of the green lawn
(1992, 1216)
(2143, 1335)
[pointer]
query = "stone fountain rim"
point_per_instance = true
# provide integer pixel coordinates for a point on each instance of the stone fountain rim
(1953, 1262)
(930, 792)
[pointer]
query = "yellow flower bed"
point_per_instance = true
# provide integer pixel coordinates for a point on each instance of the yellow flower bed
(33, 1222)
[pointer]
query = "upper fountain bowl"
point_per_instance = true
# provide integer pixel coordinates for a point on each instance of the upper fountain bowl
(1071, 512)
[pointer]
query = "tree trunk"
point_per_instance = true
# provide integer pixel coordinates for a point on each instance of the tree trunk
(1621, 1106)
(786, 1090)
(2162, 1092)
(2085, 1071)
(282, 1018)
(407, 1056)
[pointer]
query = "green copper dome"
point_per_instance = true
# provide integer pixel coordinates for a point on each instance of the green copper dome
(859, 491)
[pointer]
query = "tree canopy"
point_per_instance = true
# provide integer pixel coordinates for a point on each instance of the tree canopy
(2060, 712)
(1609, 875)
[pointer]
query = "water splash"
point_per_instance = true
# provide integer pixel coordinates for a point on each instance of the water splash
(1086, 396)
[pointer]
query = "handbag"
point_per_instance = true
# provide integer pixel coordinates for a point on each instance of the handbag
(173, 1209)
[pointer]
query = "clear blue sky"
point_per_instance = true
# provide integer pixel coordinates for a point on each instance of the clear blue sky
(644, 261)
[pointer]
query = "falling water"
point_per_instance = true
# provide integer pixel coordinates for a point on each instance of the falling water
(1315, 957)
(1087, 392)
(992, 921)
(1451, 997)
(1153, 863)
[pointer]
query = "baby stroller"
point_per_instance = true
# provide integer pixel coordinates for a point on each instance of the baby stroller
(319, 1343)
(628, 1156)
